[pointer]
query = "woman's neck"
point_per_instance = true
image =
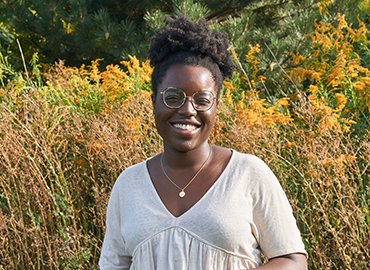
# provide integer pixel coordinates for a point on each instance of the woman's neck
(175, 159)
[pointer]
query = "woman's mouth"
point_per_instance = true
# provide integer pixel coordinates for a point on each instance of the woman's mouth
(185, 126)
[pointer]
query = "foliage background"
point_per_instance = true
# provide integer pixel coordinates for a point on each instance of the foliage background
(301, 103)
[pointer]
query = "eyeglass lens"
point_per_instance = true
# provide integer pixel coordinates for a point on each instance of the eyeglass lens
(175, 98)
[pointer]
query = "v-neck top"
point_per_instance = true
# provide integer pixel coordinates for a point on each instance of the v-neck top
(244, 213)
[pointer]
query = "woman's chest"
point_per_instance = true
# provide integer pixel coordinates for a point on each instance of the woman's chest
(222, 220)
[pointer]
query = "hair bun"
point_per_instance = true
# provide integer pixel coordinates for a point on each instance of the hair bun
(186, 42)
(183, 34)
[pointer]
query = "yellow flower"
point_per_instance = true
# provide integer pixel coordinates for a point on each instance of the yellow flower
(99, 146)
(251, 58)
(359, 85)
(67, 27)
(313, 88)
(146, 71)
(228, 97)
(251, 117)
(131, 65)
(366, 80)
(242, 96)
(234, 54)
(323, 5)
(346, 128)
(228, 85)
(95, 73)
(145, 94)
(296, 58)
(240, 105)
(283, 102)
(342, 21)
(290, 144)
(351, 122)
(342, 100)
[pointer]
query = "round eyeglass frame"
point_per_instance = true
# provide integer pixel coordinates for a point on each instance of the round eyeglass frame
(185, 97)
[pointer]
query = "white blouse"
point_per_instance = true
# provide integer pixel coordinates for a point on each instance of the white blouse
(243, 213)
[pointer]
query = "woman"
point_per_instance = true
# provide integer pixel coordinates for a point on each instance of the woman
(196, 206)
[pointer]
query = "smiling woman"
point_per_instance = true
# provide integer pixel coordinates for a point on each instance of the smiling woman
(185, 128)
(196, 206)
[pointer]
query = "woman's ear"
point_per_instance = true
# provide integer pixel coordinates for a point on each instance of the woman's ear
(218, 100)
(152, 96)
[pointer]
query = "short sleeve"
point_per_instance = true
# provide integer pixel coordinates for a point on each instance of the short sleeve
(113, 255)
(277, 231)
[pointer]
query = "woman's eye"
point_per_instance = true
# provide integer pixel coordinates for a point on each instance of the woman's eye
(172, 98)
(203, 101)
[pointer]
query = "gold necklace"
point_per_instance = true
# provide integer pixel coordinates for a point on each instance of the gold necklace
(182, 192)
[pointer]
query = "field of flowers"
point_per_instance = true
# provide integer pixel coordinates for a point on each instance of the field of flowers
(67, 133)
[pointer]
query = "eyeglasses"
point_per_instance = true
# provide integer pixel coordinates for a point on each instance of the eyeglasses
(174, 98)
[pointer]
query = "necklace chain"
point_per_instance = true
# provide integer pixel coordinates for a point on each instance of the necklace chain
(182, 192)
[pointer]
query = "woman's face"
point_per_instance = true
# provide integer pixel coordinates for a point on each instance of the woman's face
(185, 128)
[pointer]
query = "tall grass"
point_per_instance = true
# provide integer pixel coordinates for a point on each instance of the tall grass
(63, 144)
(58, 165)
(57, 169)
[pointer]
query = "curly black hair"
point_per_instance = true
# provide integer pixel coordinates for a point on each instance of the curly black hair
(186, 42)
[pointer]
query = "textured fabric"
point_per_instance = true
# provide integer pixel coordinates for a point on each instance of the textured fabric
(243, 213)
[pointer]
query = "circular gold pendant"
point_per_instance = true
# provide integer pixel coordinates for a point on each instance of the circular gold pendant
(182, 194)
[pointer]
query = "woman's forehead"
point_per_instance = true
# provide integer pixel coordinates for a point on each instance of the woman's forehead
(187, 76)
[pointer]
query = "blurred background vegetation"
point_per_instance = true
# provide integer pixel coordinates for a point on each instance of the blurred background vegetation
(79, 31)
(75, 111)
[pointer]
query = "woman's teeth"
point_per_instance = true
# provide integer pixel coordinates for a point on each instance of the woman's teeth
(185, 127)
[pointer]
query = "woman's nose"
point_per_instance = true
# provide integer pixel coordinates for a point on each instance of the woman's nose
(188, 107)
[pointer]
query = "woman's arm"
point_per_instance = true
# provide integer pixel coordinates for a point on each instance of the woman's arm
(276, 230)
(294, 261)
(113, 255)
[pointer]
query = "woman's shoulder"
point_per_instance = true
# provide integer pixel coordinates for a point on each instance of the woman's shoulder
(137, 170)
(247, 160)
(253, 168)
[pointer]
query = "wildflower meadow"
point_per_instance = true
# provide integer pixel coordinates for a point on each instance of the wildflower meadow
(66, 133)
